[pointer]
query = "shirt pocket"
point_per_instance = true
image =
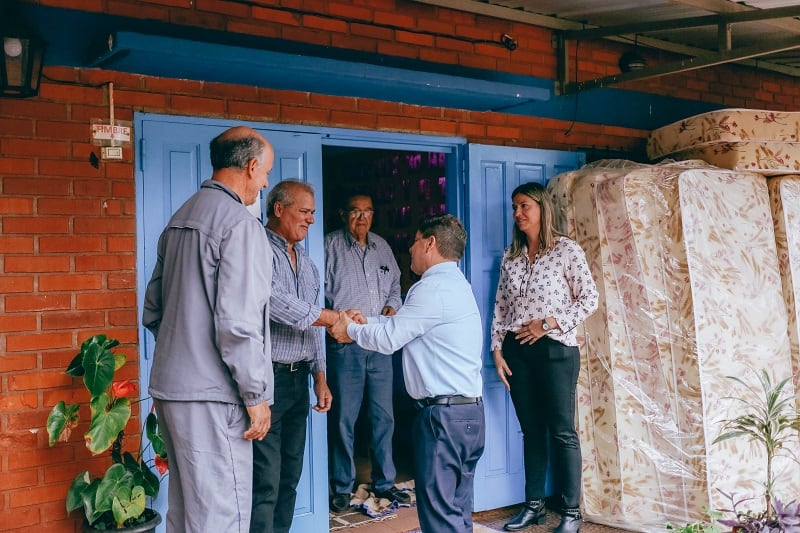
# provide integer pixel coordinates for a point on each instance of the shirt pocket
(384, 277)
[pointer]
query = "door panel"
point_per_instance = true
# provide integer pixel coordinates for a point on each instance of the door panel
(493, 173)
(175, 159)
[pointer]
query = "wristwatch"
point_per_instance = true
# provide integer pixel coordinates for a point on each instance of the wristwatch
(545, 325)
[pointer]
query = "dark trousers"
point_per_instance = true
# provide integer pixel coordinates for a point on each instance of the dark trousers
(543, 382)
(278, 459)
(448, 441)
(353, 372)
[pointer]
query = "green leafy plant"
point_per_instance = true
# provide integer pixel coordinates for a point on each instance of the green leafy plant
(769, 417)
(705, 526)
(118, 498)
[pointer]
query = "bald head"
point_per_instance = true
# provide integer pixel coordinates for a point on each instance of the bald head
(235, 147)
(242, 159)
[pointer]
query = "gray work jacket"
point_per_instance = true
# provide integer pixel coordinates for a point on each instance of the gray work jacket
(207, 303)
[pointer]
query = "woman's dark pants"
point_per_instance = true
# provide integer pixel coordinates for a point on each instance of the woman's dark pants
(543, 382)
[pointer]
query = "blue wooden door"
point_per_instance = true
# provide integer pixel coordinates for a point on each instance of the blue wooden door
(174, 159)
(494, 172)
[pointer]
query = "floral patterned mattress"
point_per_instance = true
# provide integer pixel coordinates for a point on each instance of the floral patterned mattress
(784, 193)
(676, 249)
(767, 142)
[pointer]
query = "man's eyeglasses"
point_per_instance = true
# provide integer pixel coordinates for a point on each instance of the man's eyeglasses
(358, 214)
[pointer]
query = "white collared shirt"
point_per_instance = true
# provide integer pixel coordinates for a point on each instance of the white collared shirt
(439, 328)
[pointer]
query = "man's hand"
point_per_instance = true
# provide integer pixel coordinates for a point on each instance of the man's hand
(339, 330)
(356, 316)
(324, 396)
(388, 311)
(260, 420)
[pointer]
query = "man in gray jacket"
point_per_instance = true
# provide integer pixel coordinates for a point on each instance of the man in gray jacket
(207, 304)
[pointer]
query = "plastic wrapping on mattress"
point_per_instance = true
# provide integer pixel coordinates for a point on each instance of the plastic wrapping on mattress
(686, 262)
(766, 142)
(784, 192)
(724, 125)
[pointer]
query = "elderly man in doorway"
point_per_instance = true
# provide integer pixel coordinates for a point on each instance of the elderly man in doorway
(439, 329)
(360, 273)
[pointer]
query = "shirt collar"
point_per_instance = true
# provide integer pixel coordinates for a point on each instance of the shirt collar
(348, 237)
(279, 241)
(214, 184)
(440, 267)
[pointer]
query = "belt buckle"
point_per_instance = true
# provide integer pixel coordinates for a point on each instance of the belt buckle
(294, 366)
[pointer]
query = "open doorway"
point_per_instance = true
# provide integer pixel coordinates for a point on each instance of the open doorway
(405, 187)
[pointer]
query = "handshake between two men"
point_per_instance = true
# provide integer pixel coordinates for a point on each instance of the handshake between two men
(338, 330)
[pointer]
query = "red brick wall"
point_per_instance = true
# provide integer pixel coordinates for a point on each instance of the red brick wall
(67, 229)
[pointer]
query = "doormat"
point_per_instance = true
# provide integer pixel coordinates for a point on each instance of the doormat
(353, 518)
(365, 507)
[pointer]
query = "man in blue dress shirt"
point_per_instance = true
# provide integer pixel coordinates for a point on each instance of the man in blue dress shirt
(360, 273)
(439, 328)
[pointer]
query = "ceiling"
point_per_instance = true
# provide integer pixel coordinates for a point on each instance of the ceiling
(759, 33)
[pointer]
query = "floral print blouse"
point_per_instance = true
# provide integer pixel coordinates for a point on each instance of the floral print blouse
(557, 284)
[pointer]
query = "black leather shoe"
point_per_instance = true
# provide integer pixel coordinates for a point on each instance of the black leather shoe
(570, 521)
(533, 512)
(340, 502)
(394, 494)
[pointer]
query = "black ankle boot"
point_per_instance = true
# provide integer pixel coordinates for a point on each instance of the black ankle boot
(570, 521)
(533, 512)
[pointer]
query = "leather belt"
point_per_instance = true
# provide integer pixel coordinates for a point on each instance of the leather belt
(451, 399)
(291, 367)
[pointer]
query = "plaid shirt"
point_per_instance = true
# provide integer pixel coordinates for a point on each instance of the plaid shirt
(293, 307)
(360, 278)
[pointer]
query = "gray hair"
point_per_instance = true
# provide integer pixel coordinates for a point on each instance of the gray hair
(284, 191)
(229, 151)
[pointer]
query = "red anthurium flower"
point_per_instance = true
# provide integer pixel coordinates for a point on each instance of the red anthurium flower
(161, 464)
(123, 389)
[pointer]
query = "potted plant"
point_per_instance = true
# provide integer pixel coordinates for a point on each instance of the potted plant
(117, 499)
(785, 518)
(769, 417)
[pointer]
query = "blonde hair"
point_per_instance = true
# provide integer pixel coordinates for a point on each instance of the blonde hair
(547, 226)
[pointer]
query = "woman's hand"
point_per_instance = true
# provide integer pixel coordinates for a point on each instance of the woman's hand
(527, 334)
(502, 368)
(530, 332)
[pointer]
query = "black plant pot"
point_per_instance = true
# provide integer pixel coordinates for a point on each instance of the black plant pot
(153, 518)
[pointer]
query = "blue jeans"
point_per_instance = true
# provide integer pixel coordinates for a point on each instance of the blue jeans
(352, 372)
(543, 382)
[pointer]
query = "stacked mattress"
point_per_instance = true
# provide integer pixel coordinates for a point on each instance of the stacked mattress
(767, 142)
(686, 262)
(784, 192)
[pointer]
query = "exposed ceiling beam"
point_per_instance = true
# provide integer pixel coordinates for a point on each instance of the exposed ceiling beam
(691, 22)
(726, 6)
(683, 65)
(553, 23)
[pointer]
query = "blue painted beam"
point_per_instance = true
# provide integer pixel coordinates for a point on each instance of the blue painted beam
(80, 39)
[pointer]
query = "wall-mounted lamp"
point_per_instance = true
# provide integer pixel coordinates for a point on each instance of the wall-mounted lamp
(23, 54)
(632, 59)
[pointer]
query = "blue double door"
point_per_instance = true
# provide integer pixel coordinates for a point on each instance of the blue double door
(173, 159)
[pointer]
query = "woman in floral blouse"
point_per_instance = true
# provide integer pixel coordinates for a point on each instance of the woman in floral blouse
(546, 290)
